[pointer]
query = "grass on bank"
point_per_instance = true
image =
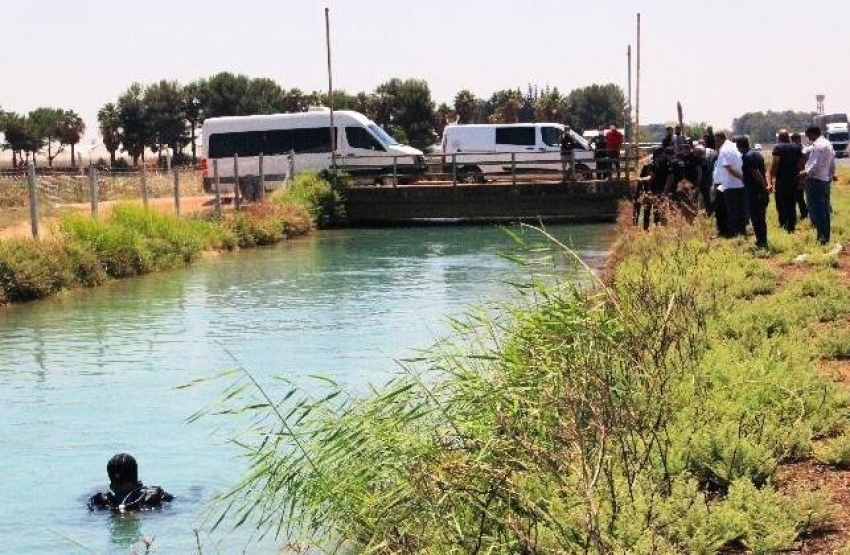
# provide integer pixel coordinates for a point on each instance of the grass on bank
(132, 241)
(646, 415)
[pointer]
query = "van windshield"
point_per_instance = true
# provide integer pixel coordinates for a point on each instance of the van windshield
(382, 135)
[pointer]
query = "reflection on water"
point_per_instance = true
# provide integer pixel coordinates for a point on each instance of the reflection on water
(94, 373)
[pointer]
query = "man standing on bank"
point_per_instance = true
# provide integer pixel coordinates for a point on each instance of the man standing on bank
(784, 172)
(819, 173)
(728, 173)
(757, 190)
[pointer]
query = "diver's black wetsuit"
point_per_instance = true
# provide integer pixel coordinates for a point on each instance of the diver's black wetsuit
(140, 498)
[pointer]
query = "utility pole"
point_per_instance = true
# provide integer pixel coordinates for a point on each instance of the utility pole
(629, 129)
(330, 92)
(637, 88)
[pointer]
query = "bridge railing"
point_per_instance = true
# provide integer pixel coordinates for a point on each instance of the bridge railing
(480, 167)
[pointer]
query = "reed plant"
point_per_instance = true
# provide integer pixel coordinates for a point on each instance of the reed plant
(645, 414)
(316, 195)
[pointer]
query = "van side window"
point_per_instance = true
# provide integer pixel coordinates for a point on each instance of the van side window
(278, 141)
(551, 136)
(225, 145)
(358, 137)
(523, 136)
(311, 140)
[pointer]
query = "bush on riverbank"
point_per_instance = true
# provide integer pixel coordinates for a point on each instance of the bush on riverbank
(316, 195)
(132, 241)
(647, 415)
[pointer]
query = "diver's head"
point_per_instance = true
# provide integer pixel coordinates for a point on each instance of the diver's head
(122, 469)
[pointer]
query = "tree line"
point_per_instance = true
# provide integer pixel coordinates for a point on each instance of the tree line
(167, 114)
(762, 126)
(27, 135)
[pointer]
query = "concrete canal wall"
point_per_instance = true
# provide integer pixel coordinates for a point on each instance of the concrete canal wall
(591, 201)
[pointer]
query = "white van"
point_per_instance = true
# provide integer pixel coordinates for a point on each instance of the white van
(362, 148)
(482, 149)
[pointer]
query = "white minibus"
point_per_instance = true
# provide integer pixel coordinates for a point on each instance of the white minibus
(362, 149)
(477, 150)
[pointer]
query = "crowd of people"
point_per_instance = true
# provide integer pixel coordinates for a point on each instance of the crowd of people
(727, 178)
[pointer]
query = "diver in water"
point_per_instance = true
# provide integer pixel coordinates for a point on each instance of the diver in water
(126, 493)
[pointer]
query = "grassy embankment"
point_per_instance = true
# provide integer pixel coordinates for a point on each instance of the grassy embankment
(130, 241)
(652, 413)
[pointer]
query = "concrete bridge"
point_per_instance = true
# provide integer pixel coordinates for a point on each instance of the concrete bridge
(581, 201)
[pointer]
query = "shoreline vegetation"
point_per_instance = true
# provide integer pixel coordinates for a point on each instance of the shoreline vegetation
(130, 241)
(695, 400)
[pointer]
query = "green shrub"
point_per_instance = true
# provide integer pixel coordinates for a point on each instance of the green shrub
(314, 194)
(32, 270)
(836, 451)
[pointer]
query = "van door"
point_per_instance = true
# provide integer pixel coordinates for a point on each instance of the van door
(312, 146)
(362, 152)
(549, 149)
(519, 141)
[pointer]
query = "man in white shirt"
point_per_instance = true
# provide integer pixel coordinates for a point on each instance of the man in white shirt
(728, 176)
(819, 173)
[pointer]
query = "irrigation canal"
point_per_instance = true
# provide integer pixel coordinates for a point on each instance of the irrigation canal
(92, 373)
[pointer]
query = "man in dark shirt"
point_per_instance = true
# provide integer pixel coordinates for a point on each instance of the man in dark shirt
(784, 170)
(687, 175)
(800, 196)
(756, 188)
(600, 155)
(667, 141)
(568, 144)
(126, 493)
(707, 157)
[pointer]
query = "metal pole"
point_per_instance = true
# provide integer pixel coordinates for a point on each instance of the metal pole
(291, 165)
(513, 168)
(330, 93)
(93, 190)
(262, 173)
(637, 91)
(395, 171)
(144, 177)
(217, 185)
(454, 170)
(31, 185)
(237, 201)
(176, 190)
(630, 133)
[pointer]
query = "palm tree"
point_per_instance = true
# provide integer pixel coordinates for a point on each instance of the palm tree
(465, 103)
(109, 122)
(70, 129)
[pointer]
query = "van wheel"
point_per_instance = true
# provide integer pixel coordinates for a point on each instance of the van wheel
(471, 174)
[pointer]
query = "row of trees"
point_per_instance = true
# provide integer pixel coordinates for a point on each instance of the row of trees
(762, 126)
(167, 114)
(27, 135)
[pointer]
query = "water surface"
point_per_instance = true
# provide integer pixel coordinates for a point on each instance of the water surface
(92, 373)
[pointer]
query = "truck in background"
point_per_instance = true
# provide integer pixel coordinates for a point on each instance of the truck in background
(836, 129)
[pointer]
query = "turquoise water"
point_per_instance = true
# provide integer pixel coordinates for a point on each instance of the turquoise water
(95, 372)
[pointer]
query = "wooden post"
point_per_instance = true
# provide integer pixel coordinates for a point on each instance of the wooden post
(143, 176)
(237, 201)
(93, 190)
(261, 193)
(513, 168)
(291, 165)
(217, 185)
(454, 170)
(395, 171)
(176, 190)
(331, 93)
(32, 186)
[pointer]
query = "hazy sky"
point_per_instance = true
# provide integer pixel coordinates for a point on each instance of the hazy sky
(720, 58)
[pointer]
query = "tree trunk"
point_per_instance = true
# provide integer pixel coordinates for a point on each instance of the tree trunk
(14, 160)
(112, 158)
(49, 152)
(73, 157)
